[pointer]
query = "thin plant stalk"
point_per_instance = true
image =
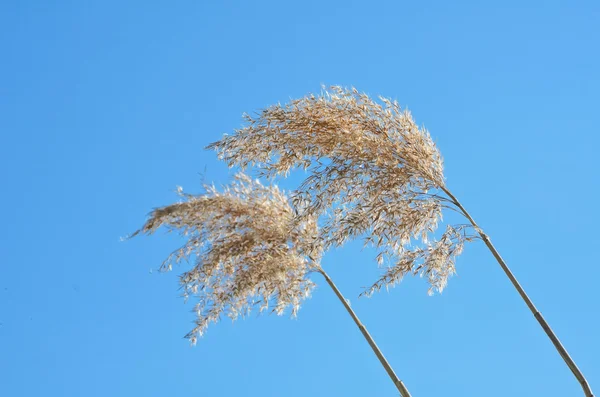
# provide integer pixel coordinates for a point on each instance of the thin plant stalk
(538, 316)
(397, 382)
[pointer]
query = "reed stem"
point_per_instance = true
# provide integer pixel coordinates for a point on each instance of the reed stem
(538, 316)
(397, 382)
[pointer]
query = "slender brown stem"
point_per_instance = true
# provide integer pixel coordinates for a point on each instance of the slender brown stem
(538, 316)
(399, 385)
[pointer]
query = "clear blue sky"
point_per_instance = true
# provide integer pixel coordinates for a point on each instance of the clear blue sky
(105, 107)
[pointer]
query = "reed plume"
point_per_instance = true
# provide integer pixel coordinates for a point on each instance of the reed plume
(373, 173)
(248, 249)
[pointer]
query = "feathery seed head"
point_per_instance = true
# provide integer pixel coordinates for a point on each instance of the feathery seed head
(248, 247)
(373, 172)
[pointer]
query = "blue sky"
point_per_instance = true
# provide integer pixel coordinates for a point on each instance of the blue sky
(105, 108)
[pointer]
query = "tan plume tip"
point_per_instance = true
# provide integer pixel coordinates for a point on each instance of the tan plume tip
(247, 248)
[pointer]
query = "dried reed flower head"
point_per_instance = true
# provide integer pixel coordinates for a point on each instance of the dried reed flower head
(248, 247)
(373, 173)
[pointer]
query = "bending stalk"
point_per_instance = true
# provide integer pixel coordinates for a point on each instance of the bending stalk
(399, 385)
(538, 316)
